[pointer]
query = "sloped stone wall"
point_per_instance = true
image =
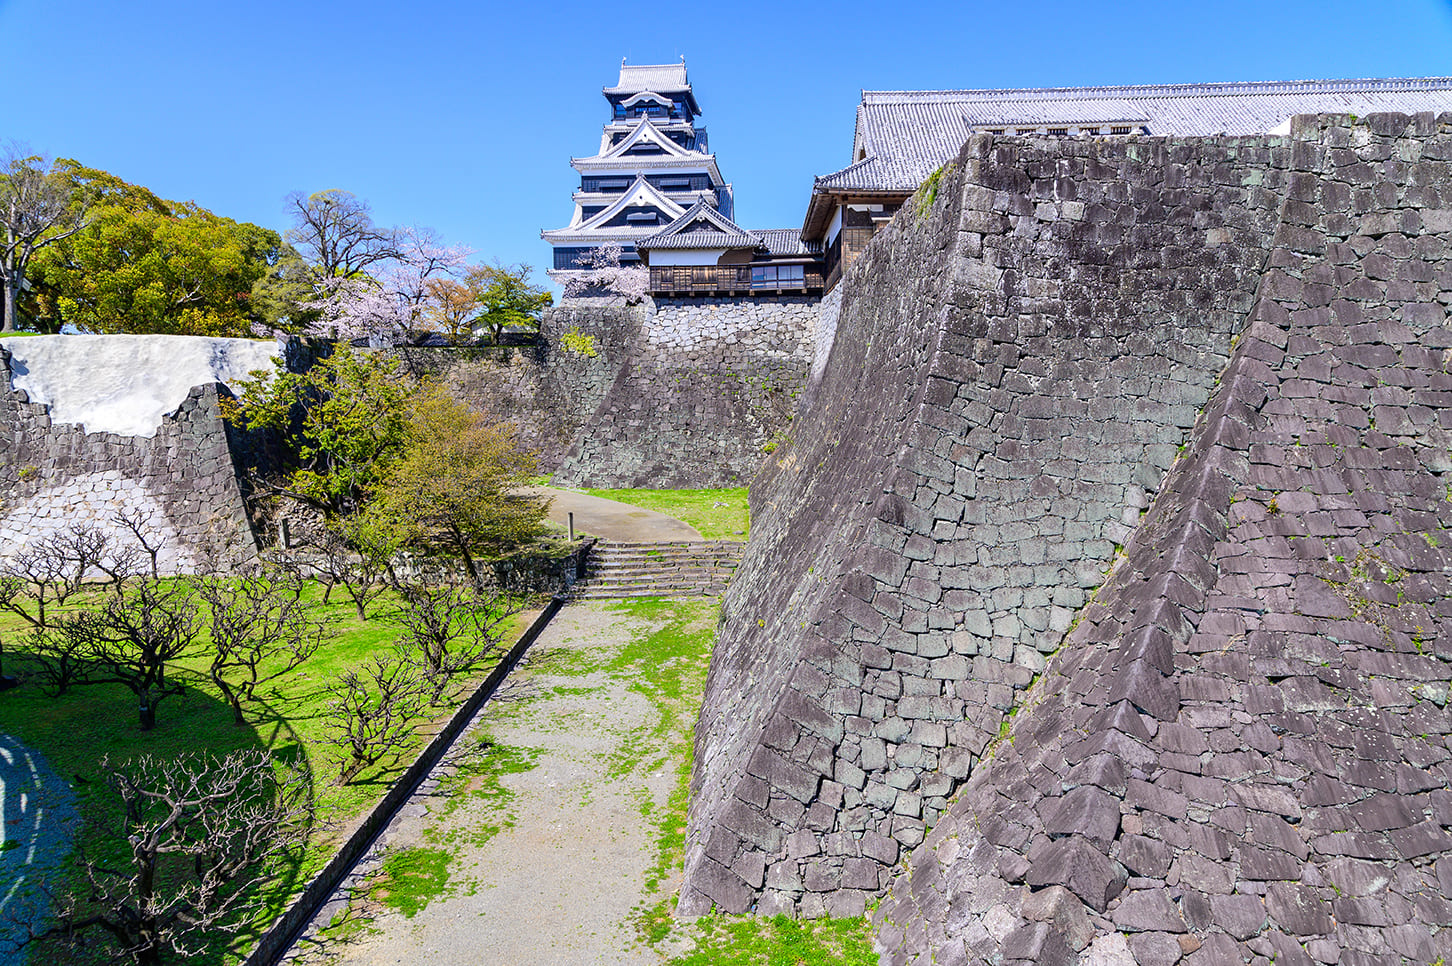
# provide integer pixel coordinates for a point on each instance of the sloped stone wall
(1017, 363)
(1241, 752)
(706, 386)
(668, 393)
(546, 392)
(185, 482)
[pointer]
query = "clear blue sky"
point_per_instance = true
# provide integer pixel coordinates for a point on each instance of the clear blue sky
(463, 116)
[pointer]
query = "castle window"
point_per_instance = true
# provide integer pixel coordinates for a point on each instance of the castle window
(1119, 130)
(1089, 130)
(1061, 131)
(1027, 130)
(778, 276)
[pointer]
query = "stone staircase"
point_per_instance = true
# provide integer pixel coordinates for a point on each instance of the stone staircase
(658, 569)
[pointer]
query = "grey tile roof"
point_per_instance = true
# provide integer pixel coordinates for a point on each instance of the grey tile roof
(661, 78)
(787, 241)
(722, 233)
(1100, 110)
(907, 134)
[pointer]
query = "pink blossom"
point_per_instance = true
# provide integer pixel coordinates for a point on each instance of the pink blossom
(602, 271)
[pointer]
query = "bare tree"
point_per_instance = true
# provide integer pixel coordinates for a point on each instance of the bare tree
(258, 631)
(358, 555)
(202, 832)
(37, 208)
(451, 630)
(47, 572)
(373, 713)
(334, 230)
(138, 523)
(62, 660)
(134, 640)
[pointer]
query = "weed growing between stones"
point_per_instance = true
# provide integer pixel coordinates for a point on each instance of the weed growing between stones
(750, 941)
(927, 192)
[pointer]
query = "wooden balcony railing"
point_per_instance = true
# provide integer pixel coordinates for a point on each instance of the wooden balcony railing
(728, 279)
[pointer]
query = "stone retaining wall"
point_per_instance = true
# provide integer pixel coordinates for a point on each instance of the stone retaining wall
(706, 386)
(1241, 753)
(1018, 361)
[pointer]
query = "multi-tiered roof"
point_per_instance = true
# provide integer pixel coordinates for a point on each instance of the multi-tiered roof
(654, 165)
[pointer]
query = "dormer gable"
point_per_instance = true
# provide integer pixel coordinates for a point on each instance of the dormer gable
(702, 226)
(642, 195)
(644, 137)
(646, 97)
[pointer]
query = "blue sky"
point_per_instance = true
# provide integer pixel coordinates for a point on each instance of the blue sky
(463, 116)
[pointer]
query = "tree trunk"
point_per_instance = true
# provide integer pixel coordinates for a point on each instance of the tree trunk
(463, 544)
(148, 712)
(12, 285)
(9, 323)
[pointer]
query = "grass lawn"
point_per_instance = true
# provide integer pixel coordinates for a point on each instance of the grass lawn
(716, 514)
(75, 731)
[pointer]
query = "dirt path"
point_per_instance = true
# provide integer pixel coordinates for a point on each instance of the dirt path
(612, 520)
(536, 841)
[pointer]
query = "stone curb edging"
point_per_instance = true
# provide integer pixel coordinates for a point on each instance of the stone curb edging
(279, 938)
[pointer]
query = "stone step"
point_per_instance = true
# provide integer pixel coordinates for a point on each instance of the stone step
(659, 569)
(647, 564)
(645, 592)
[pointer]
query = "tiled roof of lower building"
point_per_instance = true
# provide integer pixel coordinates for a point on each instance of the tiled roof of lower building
(702, 226)
(907, 134)
(787, 241)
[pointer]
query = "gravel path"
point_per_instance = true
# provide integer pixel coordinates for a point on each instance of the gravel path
(612, 520)
(37, 818)
(542, 812)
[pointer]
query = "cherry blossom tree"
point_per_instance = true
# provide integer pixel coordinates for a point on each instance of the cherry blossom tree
(393, 297)
(601, 272)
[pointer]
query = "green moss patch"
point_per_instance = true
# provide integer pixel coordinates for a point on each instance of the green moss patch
(779, 941)
(411, 878)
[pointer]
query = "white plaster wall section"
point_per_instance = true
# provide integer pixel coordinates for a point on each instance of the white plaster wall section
(97, 499)
(125, 384)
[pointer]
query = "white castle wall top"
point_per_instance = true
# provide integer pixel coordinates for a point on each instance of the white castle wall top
(125, 384)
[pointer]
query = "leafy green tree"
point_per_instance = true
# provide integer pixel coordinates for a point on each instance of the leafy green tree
(283, 298)
(143, 264)
(505, 297)
(343, 423)
(187, 273)
(452, 487)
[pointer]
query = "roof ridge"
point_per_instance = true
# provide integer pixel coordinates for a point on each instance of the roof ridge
(1207, 89)
(712, 215)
